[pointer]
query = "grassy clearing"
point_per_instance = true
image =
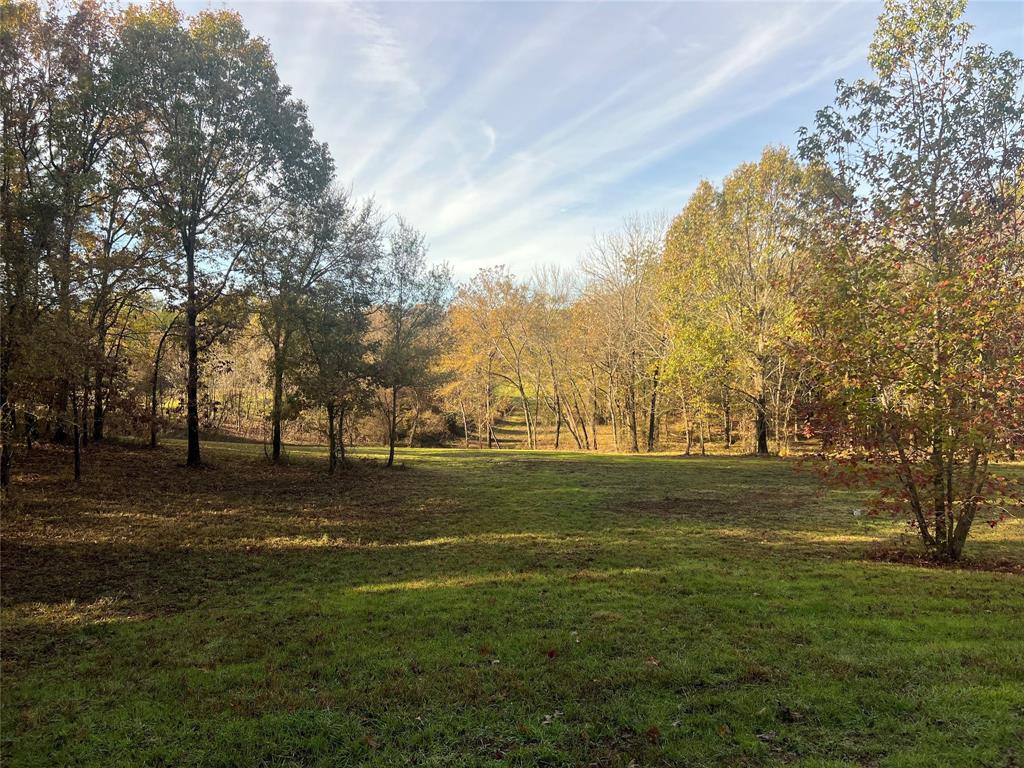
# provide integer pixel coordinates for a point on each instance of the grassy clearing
(490, 609)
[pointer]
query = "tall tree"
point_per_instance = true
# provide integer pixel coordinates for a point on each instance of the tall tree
(917, 306)
(494, 314)
(24, 225)
(318, 237)
(733, 259)
(412, 300)
(83, 110)
(334, 372)
(622, 272)
(219, 136)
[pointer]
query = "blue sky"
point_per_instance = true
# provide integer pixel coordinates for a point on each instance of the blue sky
(511, 132)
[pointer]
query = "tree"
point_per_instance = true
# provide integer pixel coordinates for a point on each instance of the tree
(622, 272)
(733, 259)
(917, 306)
(411, 305)
(63, 108)
(124, 259)
(219, 136)
(334, 373)
(315, 238)
(23, 230)
(333, 313)
(82, 110)
(493, 314)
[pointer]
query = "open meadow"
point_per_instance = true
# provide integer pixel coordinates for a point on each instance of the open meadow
(473, 608)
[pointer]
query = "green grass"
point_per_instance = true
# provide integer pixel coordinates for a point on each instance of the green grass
(490, 608)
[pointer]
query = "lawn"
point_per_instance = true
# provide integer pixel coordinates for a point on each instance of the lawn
(490, 608)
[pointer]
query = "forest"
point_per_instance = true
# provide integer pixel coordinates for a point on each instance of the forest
(181, 255)
(208, 335)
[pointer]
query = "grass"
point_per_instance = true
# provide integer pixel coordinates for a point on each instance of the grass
(490, 608)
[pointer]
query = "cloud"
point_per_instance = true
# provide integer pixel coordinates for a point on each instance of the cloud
(510, 133)
(382, 60)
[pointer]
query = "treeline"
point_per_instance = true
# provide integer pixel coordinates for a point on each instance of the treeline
(178, 252)
(162, 190)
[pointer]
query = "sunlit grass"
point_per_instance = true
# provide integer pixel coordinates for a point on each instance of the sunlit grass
(490, 608)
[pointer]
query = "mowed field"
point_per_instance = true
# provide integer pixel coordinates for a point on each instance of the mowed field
(491, 608)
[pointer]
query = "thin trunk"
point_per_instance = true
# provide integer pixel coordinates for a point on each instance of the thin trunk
(487, 403)
(392, 426)
(536, 412)
(558, 419)
(278, 403)
(727, 413)
(654, 410)
(593, 410)
(77, 438)
(975, 481)
(6, 419)
(84, 416)
(530, 438)
(906, 475)
(686, 426)
(341, 431)
(97, 408)
(611, 412)
(415, 421)
(465, 421)
(941, 527)
(332, 450)
(631, 407)
(155, 383)
(192, 345)
(585, 441)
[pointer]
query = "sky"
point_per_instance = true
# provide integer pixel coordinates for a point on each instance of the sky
(511, 133)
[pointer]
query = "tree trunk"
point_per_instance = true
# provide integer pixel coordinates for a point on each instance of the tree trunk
(654, 410)
(558, 419)
(530, 439)
(941, 528)
(84, 416)
(727, 412)
(571, 424)
(611, 413)
(60, 408)
(593, 410)
(487, 403)
(341, 431)
(6, 419)
(155, 383)
(686, 426)
(97, 407)
(634, 446)
(276, 407)
(415, 419)
(465, 422)
(76, 436)
(192, 458)
(332, 450)
(761, 425)
(392, 426)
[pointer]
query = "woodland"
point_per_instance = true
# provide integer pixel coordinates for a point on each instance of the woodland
(741, 487)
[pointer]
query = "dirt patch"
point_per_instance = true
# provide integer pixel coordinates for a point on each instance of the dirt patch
(924, 560)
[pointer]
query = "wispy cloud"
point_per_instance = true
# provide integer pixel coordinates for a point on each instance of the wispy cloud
(512, 132)
(381, 62)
